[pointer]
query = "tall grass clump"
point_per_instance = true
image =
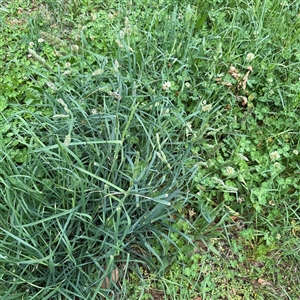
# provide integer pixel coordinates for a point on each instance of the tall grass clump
(96, 196)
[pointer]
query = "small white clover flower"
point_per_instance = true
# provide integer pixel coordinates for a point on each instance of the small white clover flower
(75, 48)
(295, 152)
(274, 155)
(31, 44)
(249, 57)
(166, 86)
(278, 236)
(188, 85)
(40, 40)
(206, 108)
(272, 202)
(277, 165)
(94, 111)
(68, 72)
(67, 64)
(229, 171)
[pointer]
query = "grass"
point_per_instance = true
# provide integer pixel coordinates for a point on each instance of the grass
(149, 150)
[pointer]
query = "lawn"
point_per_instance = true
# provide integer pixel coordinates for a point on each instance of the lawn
(150, 149)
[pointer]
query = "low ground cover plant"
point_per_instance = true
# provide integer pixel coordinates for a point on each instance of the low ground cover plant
(149, 150)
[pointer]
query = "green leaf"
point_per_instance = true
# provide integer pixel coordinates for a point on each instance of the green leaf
(3, 103)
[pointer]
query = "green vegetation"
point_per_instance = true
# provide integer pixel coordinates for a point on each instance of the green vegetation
(149, 149)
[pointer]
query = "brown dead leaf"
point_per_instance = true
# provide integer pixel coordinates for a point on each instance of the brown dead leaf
(116, 95)
(245, 100)
(15, 21)
(157, 295)
(234, 218)
(258, 264)
(245, 79)
(191, 213)
(249, 68)
(263, 282)
(233, 72)
(226, 83)
(243, 83)
(114, 277)
(233, 291)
